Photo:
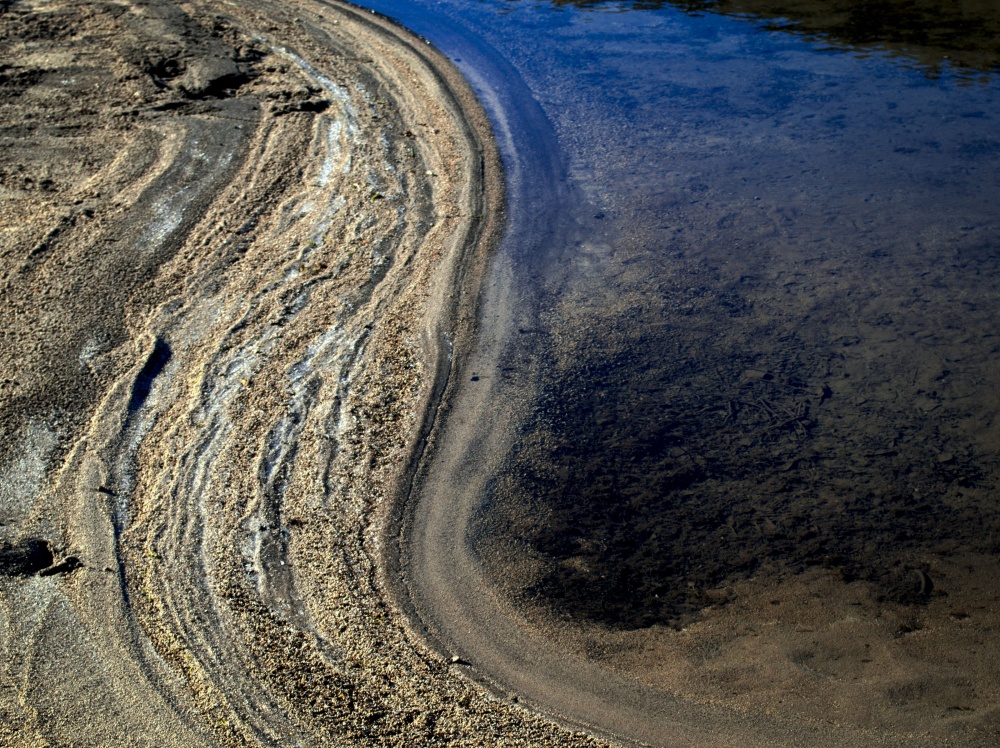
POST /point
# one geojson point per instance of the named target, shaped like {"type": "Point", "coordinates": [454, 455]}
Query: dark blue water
{"type": "Point", "coordinates": [755, 249]}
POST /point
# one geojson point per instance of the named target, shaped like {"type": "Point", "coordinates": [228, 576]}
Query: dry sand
{"type": "Point", "coordinates": [239, 243]}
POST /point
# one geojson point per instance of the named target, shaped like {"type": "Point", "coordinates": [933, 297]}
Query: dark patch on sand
{"type": "Point", "coordinates": [25, 557]}
{"type": "Point", "coordinates": [158, 358]}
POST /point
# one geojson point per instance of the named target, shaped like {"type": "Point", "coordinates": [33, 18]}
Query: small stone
{"type": "Point", "coordinates": [211, 77]}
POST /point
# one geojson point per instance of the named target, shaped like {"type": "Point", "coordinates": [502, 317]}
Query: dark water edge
{"type": "Point", "coordinates": [932, 34]}
{"type": "Point", "coordinates": [756, 330]}
{"type": "Point", "coordinates": [668, 459]}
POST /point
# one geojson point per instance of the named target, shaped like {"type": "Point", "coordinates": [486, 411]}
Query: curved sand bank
{"type": "Point", "coordinates": [793, 656]}
{"type": "Point", "coordinates": [242, 245]}
{"type": "Point", "coordinates": [239, 243]}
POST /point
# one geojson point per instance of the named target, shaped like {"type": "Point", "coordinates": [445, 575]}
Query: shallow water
{"type": "Point", "coordinates": [756, 317]}
{"type": "Point", "coordinates": [732, 425]}
{"type": "Point", "coordinates": [755, 262]}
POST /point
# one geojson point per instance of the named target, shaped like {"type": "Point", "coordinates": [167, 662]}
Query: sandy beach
{"type": "Point", "coordinates": [241, 244]}
{"type": "Point", "coordinates": [243, 254]}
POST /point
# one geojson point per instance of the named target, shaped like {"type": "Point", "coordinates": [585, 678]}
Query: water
{"type": "Point", "coordinates": [754, 249]}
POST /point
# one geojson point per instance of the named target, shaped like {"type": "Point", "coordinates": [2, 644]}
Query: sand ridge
{"type": "Point", "coordinates": [241, 244]}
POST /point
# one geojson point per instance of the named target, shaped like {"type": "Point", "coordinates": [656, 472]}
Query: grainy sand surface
{"type": "Point", "coordinates": [240, 243]}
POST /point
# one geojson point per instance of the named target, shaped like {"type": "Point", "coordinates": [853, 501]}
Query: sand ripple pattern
{"type": "Point", "coordinates": [312, 225]}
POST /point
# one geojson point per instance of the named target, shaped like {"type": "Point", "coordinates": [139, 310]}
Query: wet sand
{"type": "Point", "coordinates": [241, 245]}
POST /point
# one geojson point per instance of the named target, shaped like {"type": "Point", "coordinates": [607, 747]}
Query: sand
{"type": "Point", "coordinates": [240, 245]}
{"type": "Point", "coordinates": [243, 246]}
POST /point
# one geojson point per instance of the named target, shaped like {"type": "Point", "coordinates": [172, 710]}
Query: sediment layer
{"type": "Point", "coordinates": [241, 245]}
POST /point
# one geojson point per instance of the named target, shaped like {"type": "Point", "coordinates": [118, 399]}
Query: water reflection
{"type": "Point", "coordinates": [934, 34]}
{"type": "Point", "coordinates": [760, 369]}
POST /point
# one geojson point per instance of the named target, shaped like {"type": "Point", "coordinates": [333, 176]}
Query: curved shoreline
{"type": "Point", "coordinates": [212, 459]}
{"type": "Point", "coordinates": [244, 247]}
{"type": "Point", "coordinates": [522, 656]}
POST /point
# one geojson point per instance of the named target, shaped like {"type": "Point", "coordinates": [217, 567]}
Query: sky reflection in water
{"type": "Point", "coordinates": [762, 339]}
{"type": "Point", "coordinates": [930, 33]}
